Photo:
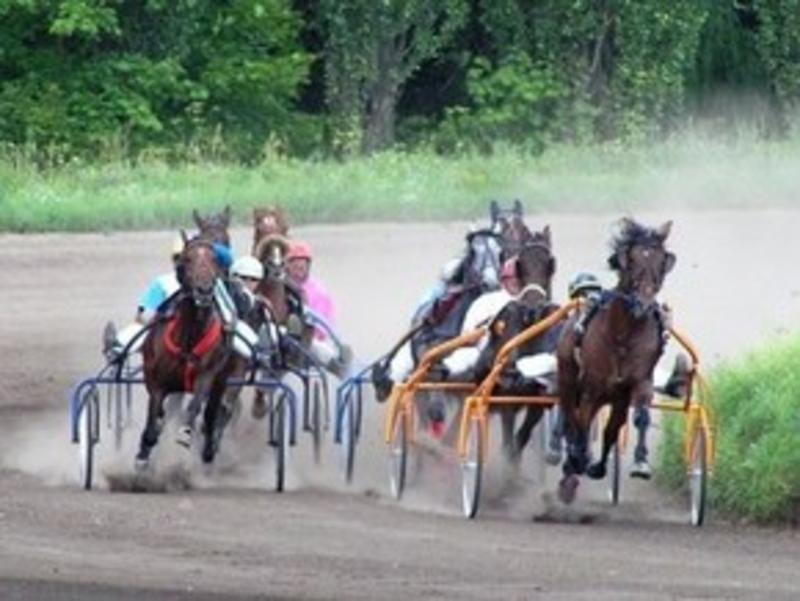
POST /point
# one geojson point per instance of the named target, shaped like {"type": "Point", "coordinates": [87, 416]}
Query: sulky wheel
{"type": "Point", "coordinates": [471, 470]}
{"type": "Point", "coordinates": [398, 455]}
{"type": "Point", "coordinates": [280, 417]}
{"type": "Point", "coordinates": [698, 478]}
{"type": "Point", "coordinates": [614, 475]}
{"type": "Point", "coordinates": [348, 439]}
{"type": "Point", "coordinates": [87, 435]}
{"type": "Point", "coordinates": [316, 420]}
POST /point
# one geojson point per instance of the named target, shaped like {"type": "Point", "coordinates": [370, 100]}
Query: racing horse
{"type": "Point", "coordinates": [188, 350]}
{"type": "Point", "coordinates": [535, 267]}
{"type": "Point", "coordinates": [279, 313]}
{"type": "Point", "coordinates": [214, 227]}
{"type": "Point", "coordinates": [610, 357]}
{"type": "Point", "coordinates": [268, 221]}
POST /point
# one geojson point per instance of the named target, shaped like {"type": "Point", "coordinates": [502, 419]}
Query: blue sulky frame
{"type": "Point", "coordinates": [119, 377]}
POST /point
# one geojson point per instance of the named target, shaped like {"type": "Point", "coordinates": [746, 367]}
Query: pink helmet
{"type": "Point", "coordinates": [299, 250]}
{"type": "Point", "coordinates": [509, 271]}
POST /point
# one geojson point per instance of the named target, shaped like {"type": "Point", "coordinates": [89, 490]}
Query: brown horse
{"type": "Point", "coordinates": [609, 358]}
{"type": "Point", "coordinates": [280, 303]}
{"type": "Point", "coordinates": [268, 221]}
{"type": "Point", "coordinates": [188, 350]}
{"type": "Point", "coordinates": [535, 266]}
{"type": "Point", "coordinates": [214, 227]}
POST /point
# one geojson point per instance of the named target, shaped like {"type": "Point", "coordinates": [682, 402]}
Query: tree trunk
{"type": "Point", "coordinates": [380, 119]}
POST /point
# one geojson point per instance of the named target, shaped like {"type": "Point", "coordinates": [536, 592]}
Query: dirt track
{"type": "Point", "coordinates": [736, 282]}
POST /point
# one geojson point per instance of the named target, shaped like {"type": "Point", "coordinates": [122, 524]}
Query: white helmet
{"type": "Point", "coordinates": [248, 267]}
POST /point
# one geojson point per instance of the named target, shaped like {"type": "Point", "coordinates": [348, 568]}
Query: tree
{"type": "Point", "coordinates": [372, 48]}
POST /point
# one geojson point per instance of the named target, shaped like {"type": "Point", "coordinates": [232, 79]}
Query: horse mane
{"type": "Point", "coordinates": [630, 234]}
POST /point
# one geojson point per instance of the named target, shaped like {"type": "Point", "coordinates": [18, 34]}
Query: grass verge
{"type": "Point", "coordinates": [686, 171]}
{"type": "Point", "coordinates": [756, 403]}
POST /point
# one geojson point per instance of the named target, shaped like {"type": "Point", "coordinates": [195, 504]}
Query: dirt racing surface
{"type": "Point", "coordinates": [226, 535]}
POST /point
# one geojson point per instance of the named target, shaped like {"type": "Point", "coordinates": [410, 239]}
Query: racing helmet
{"type": "Point", "coordinates": [299, 250]}
{"type": "Point", "coordinates": [248, 267]}
{"type": "Point", "coordinates": [583, 283]}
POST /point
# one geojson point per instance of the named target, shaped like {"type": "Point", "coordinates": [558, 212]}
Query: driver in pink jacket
{"type": "Point", "coordinates": [335, 355]}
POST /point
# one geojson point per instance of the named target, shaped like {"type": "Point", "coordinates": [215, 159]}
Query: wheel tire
{"type": "Point", "coordinates": [698, 479]}
{"type": "Point", "coordinates": [471, 471]}
{"type": "Point", "coordinates": [615, 476]}
{"type": "Point", "coordinates": [398, 457]}
{"type": "Point", "coordinates": [119, 419]}
{"type": "Point", "coordinates": [348, 440]}
{"type": "Point", "coordinates": [87, 420]}
{"type": "Point", "coordinates": [280, 425]}
{"type": "Point", "coordinates": [316, 422]}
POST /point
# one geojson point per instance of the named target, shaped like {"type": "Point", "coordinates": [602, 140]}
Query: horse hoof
{"type": "Point", "coordinates": [553, 457]}
{"type": "Point", "coordinates": [208, 454]}
{"type": "Point", "coordinates": [141, 464]}
{"type": "Point", "coordinates": [184, 437]}
{"type": "Point", "coordinates": [596, 471]}
{"type": "Point", "coordinates": [567, 489]}
{"type": "Point", "coordinates": [641, 469]}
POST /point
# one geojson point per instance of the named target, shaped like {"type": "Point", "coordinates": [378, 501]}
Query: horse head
{"type": "Point", "coordinates": [214, 227]}
{"type": "Point", "coordinates": [483, 261]}
{"type": "Point", "coordinates": [269, 221]}
{"type": "Point", "coordinates": [271, 250]}
{"type": "Point", "coordinates": [198, 270]}
{"type": "Point", "coordinates": [641, 260]}
{"type": "Point", "coordinates": [535, 263]}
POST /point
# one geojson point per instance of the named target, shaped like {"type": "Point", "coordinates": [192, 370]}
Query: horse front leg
{"type": "Point", "coordinates": [508, 417]}
{"type": "Point", "coordinates": [152, 428]}
{"type": "Point", "coordinates": [215, 417]}
{"type": "Point", "coordinates": [619, 413]}
{"type": "Point", "coordinates": [523, 436]}
{"type": "Point", "coordinates": [641, 421]}
{"type": "Point", "coordinates": [201, 393]}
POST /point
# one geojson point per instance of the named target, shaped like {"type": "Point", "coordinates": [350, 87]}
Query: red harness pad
{"type": "Point", "coordinates": [205, 345]}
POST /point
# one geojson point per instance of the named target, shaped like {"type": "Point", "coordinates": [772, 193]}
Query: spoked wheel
{"type": "Point", "coordinates": [398, 456]}
{"type": "Point", "coordinates": [279, 423]}
{"type": "Point", "coordinates": [471, 470]}
{"type": "Point", "coordinates": [698, 478]}
{"type": "Point", "coordinates": [87, 429]}
{"type": "Point", "coordinates": [316, 420]}
{"type": "Point", "coordinates": [614, 477]}
{"type": "Point", "coordinates": [348, 439]}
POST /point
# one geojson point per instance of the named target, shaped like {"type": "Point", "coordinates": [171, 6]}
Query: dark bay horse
{"type": "Point", "coordinates": [215, 226]}
{"type": "Point", "coordinates": [187, 350]}
{"type": "Point", "coordinates": [535, 267]}
{"type": "Point", "coordinates": [611, 357]}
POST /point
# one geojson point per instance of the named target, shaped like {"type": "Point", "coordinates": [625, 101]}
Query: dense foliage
{"type": "Point", "coordinates": [241, 80]}
{"type": "Point", "coordinates": [756, 406]}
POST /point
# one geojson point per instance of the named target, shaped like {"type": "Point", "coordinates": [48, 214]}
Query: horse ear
{"type": "Point", "coordinates": [547, 235]}
{"type": "Point", "coordinates": [664, 230]}
{"type": "Point", "coordinates": [518, 207]}
{"type": "Point", "coordinates": [257, 215]}
{"type": "Point", "coordinates": [184, 237]}
{"type": "Point", "coordinates": [494, 211]}
{"type": "Point", "coordinates": [669, 262]}
{"type": "Point", "coordinates": [197, 219]}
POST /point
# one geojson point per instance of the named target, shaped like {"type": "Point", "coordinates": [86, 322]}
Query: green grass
{"type": "Point", "coordinates": [756, 401]}
{"type": "Point", "coordinates": [685, 171]}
